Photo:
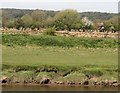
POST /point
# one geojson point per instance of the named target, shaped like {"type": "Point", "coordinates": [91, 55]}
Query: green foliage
{"type": "Point", "coordinates": [114, 21]}
{"type": "Point", "coordinates": [49, 31]}
{"type": "Point", "coordinates": [27, 21]}
{"type": "Point", "coordinates": [93, 72]}
{"type": "Point", "coordinates": [63, 20]}
{"type": "Point", "coordinates": [67, 19]}
{"type": "Point", "coordinates": [75, 76]}
{"type": "Point", "coordinates": [107, 25]}
{"type": "Point", "coordinates": [10, 24]}
{"type": "Point", "coordinates": [98, 15]}
{"type": "Point", "coordinates": [76, 64]}
{"type": "Point", "coordinates": [77, 26]}
{"type": "Point", "coordinates": [39, 18]}
{"type": "Point", "coordinates": [18, 23]}
{"type": "Point", "coordinates": [49, 22]}
{"type": "Point", "coordinates": [20, 40]}
{"type": "Point", "coordinates": [46, 40]}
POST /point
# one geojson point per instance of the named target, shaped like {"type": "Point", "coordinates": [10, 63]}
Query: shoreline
{"type": "Point", "coordinates": [59, 85]}
{"type": "Point", "coordinates": [47, 82]}
{"type": "Point", "coordinates": [52, 87]}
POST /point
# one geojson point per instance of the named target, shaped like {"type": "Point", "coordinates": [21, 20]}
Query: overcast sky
{"type": "Point", "coordinates": [80, 5]}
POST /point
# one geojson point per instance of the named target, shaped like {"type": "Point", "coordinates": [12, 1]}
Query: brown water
{"type": "Point", "coordinates": [55, 88]}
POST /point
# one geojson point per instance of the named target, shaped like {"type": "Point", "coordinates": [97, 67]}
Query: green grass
{"type": "Point", "coordinates": [56, 56]}
{"type": "Point", "coordinates": [100, 63]}
{"type": "Point", "coordinates": [24, 54]}
{"type": "Point", "coordinates": [61, 41]}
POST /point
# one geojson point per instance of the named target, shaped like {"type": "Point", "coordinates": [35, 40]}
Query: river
{"type": "Point", "coordinates": [55, 88]}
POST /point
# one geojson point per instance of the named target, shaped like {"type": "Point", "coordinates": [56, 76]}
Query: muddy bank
{"type": "Point", "coordinates": [47, 81]}
{"type": "Point", "coordinates": [51, 76]}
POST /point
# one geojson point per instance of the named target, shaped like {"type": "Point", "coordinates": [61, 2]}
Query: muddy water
{"type": "Point", "coordinates": [55, 88]}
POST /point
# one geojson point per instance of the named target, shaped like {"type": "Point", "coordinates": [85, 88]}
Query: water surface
{"type": "Point", "coordinates": [55, 88]}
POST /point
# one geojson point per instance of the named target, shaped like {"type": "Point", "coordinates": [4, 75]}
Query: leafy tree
{"type": "Point", "coordinates": [115, 21]}
{"type": "Point", "coordinates": [39, 18]}
{"type": "Point", "coordinates": [66, 19]}
{"type": "Point", "coordinates": [27, 20]}
{"type": "Point", "coordinates": [107, 25]}
{"type": "Point", "coordinates": [10, 24]}
{"type": "Point", "coordinates": [49, 22]}
{"type": "Point", "coordinates": [18, 23]}
{"type": "Point", "coordinates": [87, 24]}
{"type": "Point", "coordinates": [77, 26]}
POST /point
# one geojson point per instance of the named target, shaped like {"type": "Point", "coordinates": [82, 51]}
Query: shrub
{"type": "Point", "coordinates": [61, 41]}
{"type": "Point", "coordinates": [50, 31]}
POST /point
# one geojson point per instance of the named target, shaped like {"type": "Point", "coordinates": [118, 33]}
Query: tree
{"type": "Point", "coordinates": [107, 25]}
{"type": "Point", "coordinates": [10, 24]}
{"type": "Point", "coordinates": [27, 21]}
{"type": "Point", "coordinates": [88, 24]}
{"type": "Point", "coordinates": [116, 21]}
{"type": "Point", "coordinates": [18, 23]}
{"type": "Point", "coordinates": [66, 19]}
{"type": "Point", "coordinates": [49, 22]}
{"type": "Point", "coordinates": [39, 18]}
{"type": "Point", "coordinates": [77, 26]}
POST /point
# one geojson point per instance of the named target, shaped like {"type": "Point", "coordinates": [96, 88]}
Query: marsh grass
{"type": "Point", "coordinates": [60, 41]}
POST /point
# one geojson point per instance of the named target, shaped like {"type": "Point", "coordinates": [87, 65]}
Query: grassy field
{"type": "Point", "coordinates": [38, 50]}
{"type": "Point", "coordinates": [35, 56]}
{"type": "Point", "coordinates": [24, 56]}
{"type": "Point", "coordinates": [76, 62]}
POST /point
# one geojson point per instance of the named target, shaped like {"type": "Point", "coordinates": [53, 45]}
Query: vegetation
{"type": "Point", "coordinates": [61, 20]}
{"type": "Point", "coordinates": [60, 58]}
{"type": "Point", "coordinates": [61, 41]}
{"type": "Point", "coordinates": [49, 31]}
{"type": "Point", "coordinates": [59, 64]}
{"type": "Point", "coordinates": [56, 56]}
{"type": "Point", "coordinates": [67, 19]}
{"type": "Point", "coordinates": [98, 15]}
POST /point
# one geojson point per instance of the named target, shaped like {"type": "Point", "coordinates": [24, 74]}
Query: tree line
{"type": "Point", "coordinates": [62, 20]}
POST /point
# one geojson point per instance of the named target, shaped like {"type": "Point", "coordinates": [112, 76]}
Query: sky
{"type": "Point", "coordinates": [110, 6]}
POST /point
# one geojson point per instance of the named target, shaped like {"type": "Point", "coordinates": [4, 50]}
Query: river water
{"type": "Point", "coordinates": [55, 88]}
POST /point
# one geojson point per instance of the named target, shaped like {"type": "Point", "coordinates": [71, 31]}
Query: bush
{"type": "Point", "coordinates": [61, 41]}
{"type": "Point", "coordinates": [50, 31]}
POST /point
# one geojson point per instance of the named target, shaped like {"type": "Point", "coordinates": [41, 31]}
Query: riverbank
{"type": "Point", "coordinates": [58, 60]}
{"type": "Point", "coordinates": [6, 81]}
{"type": "Point", "coordinates": [59, 66]}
